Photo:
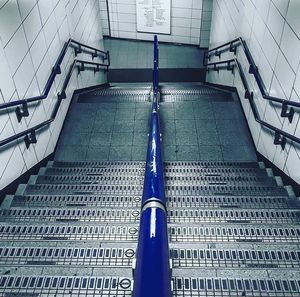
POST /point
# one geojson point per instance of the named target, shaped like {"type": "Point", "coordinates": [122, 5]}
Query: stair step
{"type": "Point", "coordinates": [245, 233]}
{"type": "Point", "coordinates": [189, 90]}
{"type": "Point", "coordinates": [25, 286]}
{"type": "Point", "coordinates": [69, 215]}
{"type": "Point", "coordinates": [237, 216]}
{"type": "Point", "coordinates": [79, 179]}
{"type": "Point", "coordinates": [276, 257]}
{"type": "Point", "coordinates": [33, 286]}
{"type": "Point", "coordinates": [177, 164]}
{"type": "Point", "coordinates": [223, 202]}
{"type": "Point", "coordinates": [98, 164]}
{"type": "Point", "coordinates": [210, 164]}
{"type": "Point", "coordinates": [114, 171]}
{"type": "Point", "coordinates": [136, 190]}
{"type": "Point", "coordinates": [76, 201]}
{"type": "Point", "coordinates": [43, 231]}
{"type": "Point", "coordinates": [236, 258]}
{"type": "Point", "coordinates": [240, 285]}
{"type": "Point", "coordinates": [231, 202]}
{"type": "Point", "coordinates": [70, 255]}
{"type": "Point", "coordinates": [168, 170]}
{"type": "Point", "coordinates": [138, 180]}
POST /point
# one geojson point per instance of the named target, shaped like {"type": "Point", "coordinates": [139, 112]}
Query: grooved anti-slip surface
{"type": "Point", "coordinates": [73, 229]}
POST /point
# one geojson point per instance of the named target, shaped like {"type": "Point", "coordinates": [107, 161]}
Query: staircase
{"type": "Point", "coordinates": [72, 230]}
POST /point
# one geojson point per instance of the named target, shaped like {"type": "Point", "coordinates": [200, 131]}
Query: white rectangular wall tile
{"type": "Point", "coordinates": [7, 86]}
{"type": "Point", "coordinates": [10, 20]}
{"type": "Point", "coordinates": [32, 25]}
{"type": "Point", "coordinates": [24, 76]}
{"type": "Point", "coordinates": [16, 50]}
{"type": "Point", "coordinates": [45, 9]}
{"type": "Point", "coordinates": [275, 23]}
{"type": "Point", "coordinates": [290, 46]}
{"type": "Point", "coordinates": [292, 16]}
{"type": "Point", "coordinates": [271, 29]}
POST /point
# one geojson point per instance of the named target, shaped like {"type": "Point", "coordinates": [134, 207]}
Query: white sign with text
{"type": "Point", "coordinates": [153, 16]}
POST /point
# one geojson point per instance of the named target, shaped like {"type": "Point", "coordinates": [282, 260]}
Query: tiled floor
{"type": "Point", "coordinates": [105, 131]}
{"type": "Point", "coordinates": [203, 130]}
{"type": "Point", "coordinates": [192, 130]}
{"type": "Point", "coordinates": [139, 54]}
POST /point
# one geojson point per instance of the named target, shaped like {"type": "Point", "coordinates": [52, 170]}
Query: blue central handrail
{"type": "Point", "coordinates": [152, 274]}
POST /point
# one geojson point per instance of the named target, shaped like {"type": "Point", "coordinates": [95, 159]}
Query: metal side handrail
{"type": "Point", "coordinates": [30, 134]}
{"type": "Point", "coordinates": [56, 70]}
{"type": "Point", "coordinates": [253, 69]}
{"type": "Point", "coordinates": [280, 135]}
{"type": "Point", "coordinates": [152, 275]}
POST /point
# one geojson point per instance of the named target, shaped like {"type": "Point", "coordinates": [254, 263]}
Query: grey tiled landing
{"type": "Point", "coordinates": [106, 131]}
{"type": "Point", "coordinates": [191, 130]}
{"type": "Point", "coordinates": [206, 131]}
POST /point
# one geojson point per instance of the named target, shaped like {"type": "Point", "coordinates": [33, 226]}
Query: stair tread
{"type": "Point", "coordinates": [138, 180]}
{"type": "Point", "coordinates": [136, 190]}
{"type": "Point", "coordinates": [221, 202]}
{"type": "Point", "coordinates": [236, 283]}
{"type": "Point", "coordinates": [240, 216]}
{"type": "Point", "coordinates": [141, 164]}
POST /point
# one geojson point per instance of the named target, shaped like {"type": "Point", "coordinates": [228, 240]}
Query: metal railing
{"type": "Point", "coordinates": [30, 134]}
{"type": "Point", "coordinates": [253, 69]}
{"type": "Point", "coordinates": [280, 135]}
{"type": "Point", "coordinates": [152, 274]}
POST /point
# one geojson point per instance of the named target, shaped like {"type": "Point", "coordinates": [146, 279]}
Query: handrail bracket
{"type": "Point", "coordinates": [22, 111]}
{"type": "Point", "coordinates": [280, 140]}
{"type": "Point", "coordinates": [285, 113]}
{"type": "Point", "coordinates": [62, 95]}
{"type": "Point", "coordinates": [80, 67]}
{"type": "Point", "coordinates": [233, 48]}
{"type": "Point", "coordinates": [30, 139]}
{"type": "Point", "coordinates": [77, 50]}
{"type": "Point", "coordinates": [253, 69]}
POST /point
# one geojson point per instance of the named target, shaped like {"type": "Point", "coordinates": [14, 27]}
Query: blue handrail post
{"type": "Point", "coordinates": [155, 65]}
{"type": "Point", "coordinates": [152, 274]}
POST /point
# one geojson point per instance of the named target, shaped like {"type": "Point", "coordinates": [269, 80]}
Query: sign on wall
{"type": "Point", "coordinates": [153, 16]}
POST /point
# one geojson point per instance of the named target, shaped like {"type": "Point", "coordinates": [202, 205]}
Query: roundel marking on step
{"type": "Point", "coordinates": [137, 199]}
{"type": "Point", "coordinates": [132, 230]}
{"type": "Point", "coordinates": [129, 253]}
{"type": "Point", "coordinates": [125, 283]}
{"type": "Point", "coordinates": [135, 213]}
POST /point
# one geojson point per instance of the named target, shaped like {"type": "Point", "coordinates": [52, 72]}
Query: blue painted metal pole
{"type": "Point", "coordinates": [152, 275]}
{"type": "Point", "coordinates": [155, 65]}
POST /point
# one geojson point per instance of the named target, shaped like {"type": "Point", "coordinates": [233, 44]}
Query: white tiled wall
{"type": "Point", "coordinates": [186, 21]}
{"type": "Point", "coordinates": [271, 29]}
{"type": "Point", "coordinates": [32, 34]}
